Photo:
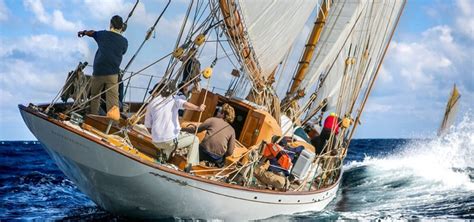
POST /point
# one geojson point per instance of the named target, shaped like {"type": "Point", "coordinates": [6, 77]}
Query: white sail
{"type": "Point", "coordinates": [353, 28]}
{"type": "Point", "coordinates": [272, 27]}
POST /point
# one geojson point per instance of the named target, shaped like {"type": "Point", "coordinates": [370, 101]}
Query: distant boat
{"type": "Point", "coordinates": [451, 110]}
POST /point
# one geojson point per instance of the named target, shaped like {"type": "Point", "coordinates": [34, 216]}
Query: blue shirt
{"type": "Point", "coordinates": [109, 55]}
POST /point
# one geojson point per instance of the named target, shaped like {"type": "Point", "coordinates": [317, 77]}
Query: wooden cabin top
{"type": "Point", "coordinates": [251, 125]}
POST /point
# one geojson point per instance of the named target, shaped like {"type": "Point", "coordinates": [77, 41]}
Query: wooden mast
{"type": "Point", "coordinates": [303, 64]}
{"type": "Point", "coordinates": [236, 32]}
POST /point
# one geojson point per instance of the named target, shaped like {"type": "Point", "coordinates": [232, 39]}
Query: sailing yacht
{"type": "Point", "coordinates": [450, 112]}
{"type": "Point", "coordinates": [115, 163]}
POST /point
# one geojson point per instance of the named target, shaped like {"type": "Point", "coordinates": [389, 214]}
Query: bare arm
{"type": "Point", "coordinates": [190, 106]}
{"type": "Point", "coordinates": [203, 126]}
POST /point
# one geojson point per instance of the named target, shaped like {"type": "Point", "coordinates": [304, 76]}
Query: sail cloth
{"type": "Point", "coordinates": [272, 27]}
{"type": "Point", "coordinates": [358, 30]}
{"type": "Point", "coordinates": [451, 110]}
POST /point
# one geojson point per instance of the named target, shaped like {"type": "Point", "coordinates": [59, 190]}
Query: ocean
{"type": "Point", "coordinates": [388, 179]}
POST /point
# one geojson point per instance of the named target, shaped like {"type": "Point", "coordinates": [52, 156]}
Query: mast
{"type": "Point", "coordinates": [303, 64]}
{"type": "Point", "coordinates": [236, 32]}
{"type": "Point", "coordinates": [261, 33]}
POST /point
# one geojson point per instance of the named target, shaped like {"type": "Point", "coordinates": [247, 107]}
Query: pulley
{"type": "Point", "coordinates": [200, 39]}
{"type": "Point", "coordinates": [178, 52]}
{"type": "Point", "coordinates": [346, 122]}
{"type": "Point", "coordinates": [207, 72]}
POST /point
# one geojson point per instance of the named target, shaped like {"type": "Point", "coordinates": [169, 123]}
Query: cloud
{"type": "Point", "coordinates": [377, 108]}
{"type": "Point", "coordinates": [60, 23]}
{"type": "Point", "coordinates": [36, 6]}
{"type": "Point", "coordinates": [4, 12]}
{"type": "Point", "coordinates": [44, 46]}
{"type": "Point", "coordinates": [433, 57]}
{"type": "Point", "coordinates": [419, 71]}
{"type": "Point", "coordinates": [465, 18]}
{"type": "Point", "coordinates": [33, 79]}
{"type": "Point", "coordinates": [141, 16]}
{"type": "Point", "coordinates": [106, 8]}
{"type": "Point", "coordinates": [56, 20]}
{"type": "Point", "coordinates": [385, 76]}
{"type": "Point", "coordinates": [37, 65]}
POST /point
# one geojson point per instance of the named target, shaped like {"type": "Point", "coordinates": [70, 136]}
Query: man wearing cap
{"type": "Point", "coordinates": [111, 48]}
{"type": "Point", "coordinates": [330, 126]}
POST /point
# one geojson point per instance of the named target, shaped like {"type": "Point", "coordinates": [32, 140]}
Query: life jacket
{"type": "Point", "coordinates": [275, 152]}
{"type": "Point", "coordinates": [331, 123]}
{"type": "Point", "coordinates": [281, 156]}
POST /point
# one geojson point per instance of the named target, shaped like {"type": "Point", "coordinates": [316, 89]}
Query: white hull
{"type": "Point", "coordinates": [121, 184]}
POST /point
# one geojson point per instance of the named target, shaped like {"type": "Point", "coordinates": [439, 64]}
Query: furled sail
{"type": "Point", "coordinates": [451, 110]}
{"type": "Point", "coordinates": [268, 28]}
{"type": "Point", "coordinates": [352, 45]}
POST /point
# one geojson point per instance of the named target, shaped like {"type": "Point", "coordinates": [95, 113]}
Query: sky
{"type": "Point", "coordinates": [431, 50]}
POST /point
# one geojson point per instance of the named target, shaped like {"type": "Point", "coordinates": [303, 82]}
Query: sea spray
{"type": "Point", "coordinates": [420, 179]}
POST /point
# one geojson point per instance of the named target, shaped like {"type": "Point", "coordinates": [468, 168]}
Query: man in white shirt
{"type": "Point", "coordinates": [161, 119]}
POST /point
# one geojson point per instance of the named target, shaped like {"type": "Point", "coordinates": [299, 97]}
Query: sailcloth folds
{"type": "Point", "coordinates": [271, 28]}
{"type": "Point", "coordinates": [352, 44]}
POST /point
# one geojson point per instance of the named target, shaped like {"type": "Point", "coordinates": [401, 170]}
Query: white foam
{"type": "Point", "coordinates": [439, 160]}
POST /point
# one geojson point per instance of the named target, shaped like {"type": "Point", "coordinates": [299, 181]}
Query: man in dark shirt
{"type": "Point", "coordinates": [191, 69]}
{"type": "Point", "coordinates": [111, 48]}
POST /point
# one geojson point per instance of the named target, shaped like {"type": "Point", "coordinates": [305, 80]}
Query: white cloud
{"type": "Point", "coordinates": [465, 18]}
{"type": "Point", "coordinates": [33, 79]}
{"type": "Point", "coordinates": [385, 76]}
{"type": "Point", "coordinates": [377, 108]}
{"type": "Point", "coordinates": [45, 46]}
{"type": "Point", "coordinates": [57, 19]}
{"type": "Point", "coordinates": [6, 96]}
{"type": "Point", "coordinates": [60, 23]}
{"type": "Point", "coordinates": [421, 62]}
{"type": "Point", "coordinates": [36, 6]}
{"type": "Point", "coordinates": [4, 12]}
{"type": "Point", "coordinates": [106, 8]}
{"type": "Point", "coordinates": [34, 67]}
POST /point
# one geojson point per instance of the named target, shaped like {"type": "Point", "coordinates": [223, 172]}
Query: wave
{"type": "Point", "coordinates": [423, 178]}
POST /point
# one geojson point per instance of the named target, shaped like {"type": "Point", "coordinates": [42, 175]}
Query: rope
{"type": "Point", "coordinates": [200, 113]}
{"type": "Point", "coordinates": [131, 12]}
{"type": "Point", "coordinates": [237, 160]}
{"type": "Point", "coordinates": [147, 36]}
{"type": "Point", "coordinates": [134, 74]}
{"type": "Point", "coordinates": [140, 113]}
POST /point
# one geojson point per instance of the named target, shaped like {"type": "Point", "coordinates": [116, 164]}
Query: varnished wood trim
{"type": "Point", "coordinates": [165, 169]}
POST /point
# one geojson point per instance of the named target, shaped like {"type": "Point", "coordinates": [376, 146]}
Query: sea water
{"type": "Point", "coordinates": [383, 179]}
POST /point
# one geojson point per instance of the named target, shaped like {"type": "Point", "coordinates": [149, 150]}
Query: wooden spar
{"type": "Point", "coordinates": [236, 31]}
{"type": "Point", "coordinates": [303, 64]}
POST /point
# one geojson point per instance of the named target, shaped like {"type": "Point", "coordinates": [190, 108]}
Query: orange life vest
{"type": "Point", "coordinates": [272, 150]}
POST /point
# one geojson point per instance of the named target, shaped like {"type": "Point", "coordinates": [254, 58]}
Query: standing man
{"type": "Point", "coordinates": [192, 68]}
{"type": "Point", "coordinates": [112, 46]}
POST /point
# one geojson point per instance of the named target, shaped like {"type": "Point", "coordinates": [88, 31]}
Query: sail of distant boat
{"type": "Point", "coordinates": [450, 112]}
